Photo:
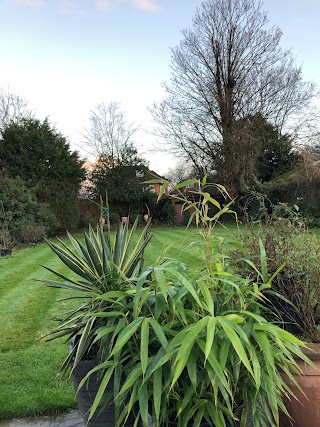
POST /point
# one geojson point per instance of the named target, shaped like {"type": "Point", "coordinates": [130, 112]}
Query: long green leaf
{"type": "Point", "coordinates": [143, 404]}
{"type": "Point", "coordinates": [235, 341]}
{"type": "Point", "coordinates": [211, 326]}
{"type": "Point", "coordinates": [144, 345]}
{"type": "Point", "coordinates": [126, 334]}
{"type": "Point", "coordinates": [100, 392]}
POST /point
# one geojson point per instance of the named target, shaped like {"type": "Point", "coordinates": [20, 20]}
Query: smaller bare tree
{"type": "Point", "coordinates": [12, 108]}
{"type": "Point", "coordinates": [180, 172]}
{"type": "Point", "coordinates": [109, 134]}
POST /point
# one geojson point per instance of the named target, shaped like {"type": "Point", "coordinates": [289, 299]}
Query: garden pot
{"type": "Point", "coordinates": [102, 221]}
{"type": "Point", "coordinates": [86, 395]}
{"type": "Point", "coordinates": [5, 251]}
{"type": "Point", "coordinates": [306, 411]}
{"type": "Point", "coordinates": [145, 217]}
{"type": "Point", "coordinates": [124, 219]}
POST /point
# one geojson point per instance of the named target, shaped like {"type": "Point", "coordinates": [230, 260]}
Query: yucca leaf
{"type": "Point", "coordinates": [73, 263]}
{"type": "Point", "coordinates": [127, 245]}
{"type": "Point", "coordinates": [55, 284]}
{"type": "Point", "coordinates": [84, 285]}
{"type": "Point", "coordinates": [94, 258]}
{"type": "Point", "coordinates": [84, 341]}
{"type": "Point", "coordinates": [134, 261]}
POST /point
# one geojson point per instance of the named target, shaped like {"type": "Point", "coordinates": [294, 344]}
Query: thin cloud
{"type": "Point", "coordinates": [71, 7]}
{"type": "Point", "coordinates": [104, 5]}
{"type": "Point", "coordinates": [146, 5]}
{"type": "Point", "coordinates": [30, 3]}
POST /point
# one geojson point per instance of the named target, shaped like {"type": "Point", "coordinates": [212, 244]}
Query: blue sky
{"type": "Point", "coordinates": [64, 56]}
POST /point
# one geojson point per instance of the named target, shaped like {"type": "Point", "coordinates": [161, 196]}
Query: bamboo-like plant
{"type": "Point", "coordinates": [99, 265]}
{"type": "Point", "coordinates": [193, 346]}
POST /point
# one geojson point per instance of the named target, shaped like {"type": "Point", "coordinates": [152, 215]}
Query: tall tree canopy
{"type": "Point", "coordinates": [38, 154]}
{"type": "Point", "coordinates": [227, 67]}
{"type": "Point", "coordinates": [122, 181]}
{"type": "Point", "coordinates": [118, 169]}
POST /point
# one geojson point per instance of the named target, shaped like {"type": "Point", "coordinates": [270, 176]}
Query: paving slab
{"type": "Point", "coordinates": [69, 419]}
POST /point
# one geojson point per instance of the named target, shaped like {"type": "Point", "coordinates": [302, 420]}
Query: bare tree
{"type": "Point", "coordinates": [180, 172]}
{"type": "Point", "coordinates": [110, 134]}
{"type": "Point", "coordinates": [227, 67]}
{"type": "Point", "coordinates": [12, 108]}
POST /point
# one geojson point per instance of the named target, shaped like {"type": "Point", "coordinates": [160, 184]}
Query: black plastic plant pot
{"type": "Point", "coordinates": [5, 251]}
{"type": "Point", "coordinates": [86, 395]}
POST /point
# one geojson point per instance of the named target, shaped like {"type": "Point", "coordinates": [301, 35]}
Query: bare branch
{"type": "Point", "coordinates": [12, 108]}
{"type": "Point", "coordinates": [109, 132]}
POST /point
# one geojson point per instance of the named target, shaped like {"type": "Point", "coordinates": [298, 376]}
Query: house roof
{"type": "Point", "coordinates": [155, 175]}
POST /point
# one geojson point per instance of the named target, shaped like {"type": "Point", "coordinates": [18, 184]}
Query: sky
{"type": "Point", "coordinates": [65, 56]}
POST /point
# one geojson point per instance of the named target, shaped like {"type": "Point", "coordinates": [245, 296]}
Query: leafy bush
{"type": "Point", "coordinates": [114, 218]}
{"type": "Point", "coordinates": [62, 198]}
{"type": "Point", "coordinates": [291, 247]}
{"type": "Point", "coordinates": [6, 240]}
{"type": "Point", "coordinates": [298, 187]}
{"type": "Point", "coordinates": [31, 233]}
{"type": "Point", "coordinates": [21, 207]}
{"type": "Point", "coordinates": [164, 212]}
{"type": "Point", "coordinates": [185, 218]}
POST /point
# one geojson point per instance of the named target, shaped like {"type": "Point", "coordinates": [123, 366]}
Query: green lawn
{"type": "Point", "coordinates": [27, 366]}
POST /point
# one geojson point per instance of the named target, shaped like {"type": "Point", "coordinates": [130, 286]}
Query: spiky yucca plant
{"type": "Point", "coordinates": [99, 265]}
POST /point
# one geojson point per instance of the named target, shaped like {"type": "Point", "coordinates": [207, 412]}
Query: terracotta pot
{"type": "Point", "coordinates": [145, 217]}
{"type": "Point", "coordinates": [124, 219]}
{"type": "Point", "coordinates": [305, 412]}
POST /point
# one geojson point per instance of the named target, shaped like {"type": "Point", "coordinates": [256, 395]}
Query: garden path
{"type": "Point", "coordinates": [70, 419]}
